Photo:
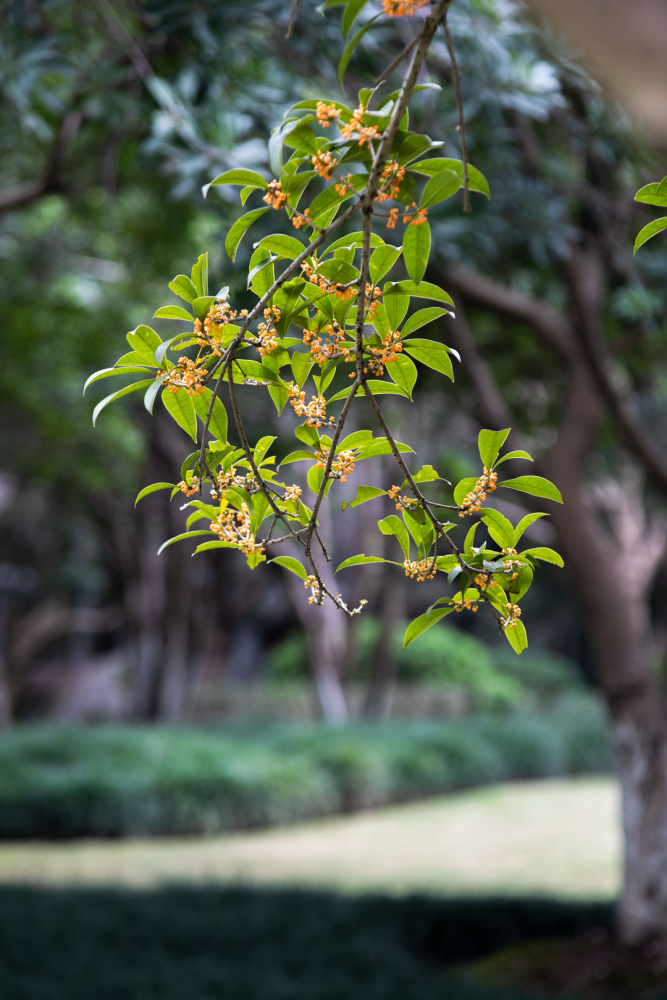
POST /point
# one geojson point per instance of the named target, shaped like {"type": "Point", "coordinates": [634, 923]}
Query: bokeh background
{"type": "Point", "coordinates": [170, 697]}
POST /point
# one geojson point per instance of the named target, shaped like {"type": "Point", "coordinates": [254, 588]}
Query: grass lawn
{"type": "Point", "coordinates": [559, 837]}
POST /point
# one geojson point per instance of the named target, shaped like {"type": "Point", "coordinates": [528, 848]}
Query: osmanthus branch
{"type": "Point", "coordinates": [366, 202]}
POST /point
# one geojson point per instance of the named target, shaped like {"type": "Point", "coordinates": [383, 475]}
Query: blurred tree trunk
{"type": "Point", "coordinates": [326, 632]}
{"type": "Point", "coordinates": [611, 562]}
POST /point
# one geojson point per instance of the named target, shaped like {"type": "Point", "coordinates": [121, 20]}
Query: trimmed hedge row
{"type": "Point", "coordinates": [58, 782]}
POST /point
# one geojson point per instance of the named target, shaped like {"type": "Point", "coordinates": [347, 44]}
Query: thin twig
{"type": "Point", "coordinates": [397, 61]}
{"type": "Point", "coordinates": [292, 18]}
{"type": "Point", "coordinates": [467, 207]}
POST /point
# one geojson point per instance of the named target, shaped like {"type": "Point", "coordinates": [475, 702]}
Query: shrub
{"type": "Point", "coordinates": [106, 781]}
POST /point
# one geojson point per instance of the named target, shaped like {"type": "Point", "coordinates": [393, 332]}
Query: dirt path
{"type": "Point", "coordinates": [559, 837]}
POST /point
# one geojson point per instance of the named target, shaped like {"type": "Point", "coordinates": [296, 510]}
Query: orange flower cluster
{"type": "Point", "coordinates": [342, 465]}
{"type": "Point", "coordinates": [459, 604]}
{"type": "Point", "coordinates": [485, 582]}
{"type": "Point", "coordinates": [275, 196]}
{"type": "Point", "coordinates": [402, 8]}
{"type": "Point", "coordinates": [512, 616]}
{"type": "Point", "coordinates": [309, 268]}
{"type": "Point", "coordinates": [374, 294]}
{"type": "Point", "coordinates": [321, 350]}
{"type": "Point", "coordinates": [355, 126]}
{"type": "Point", "coordinates": [403, 502]}
{"type": "Point", "coordinates": [422, 570]}
{"type": "Point", "coordinates": [233, 526]}
{"type": "Point", "coordinates": [189, 488]}
{"type": "Point", "coordinates": [325, 164]}
{"type": "Point", "coordinates": [418, 217]}
{"type": "Point", "coordinates": [326, 114]}
{"type": "Point", "coordinates": [292, 494]}
{"type": "Point", "coordinates": [230, 478]}
{"type": "Point", "coordinates": [472, 502]}
{"type": "Point", "coordinates": [186, 375]}
{"type": "Point", "coordinates": [266, 332]}
{"type": "Point", "coordinates": [209, 332]}
{"type": "Point", "coordinates": [315, 412]}
{"type": "Point", "coordinates": [392, 218]}
{"type": "Point", "coordinates": [345, 185]}
{"type": "Point", "coordinates": [300, 219]}
{"type": "Point", "coordinates": [392, 175]}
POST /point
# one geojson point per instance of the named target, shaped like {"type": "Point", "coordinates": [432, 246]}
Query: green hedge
{"type": "Point", "coordinates": [111, 781]}
{"type": "Point", "coordinates": [254, 944]}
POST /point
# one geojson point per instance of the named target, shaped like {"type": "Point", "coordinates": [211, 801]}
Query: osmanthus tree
{"type": "Point", "coordinates": [332, 298]}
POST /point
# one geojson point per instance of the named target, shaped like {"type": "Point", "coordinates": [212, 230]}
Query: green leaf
{"type": "Point", "coordinates": [353, 240]}
{"type": "Point", "coordinates": [422, 317]}
{"type": "Point", "coordinates": [201, 306]}
{"type": "Point", "coordinates": [183, 287]}
{"type": "Point", "coordinates": [476, 180]}
{"type": "Point", "coordinates": [292, 564]}
{"type": "Point", "coordinates": [500, 529]}
{"type": "Point", "coordinates": [301, 367]}
{"type": "Point", "coordinates": [423, 290]}
{"type": "Point", "coordinates": [430, 353]}
{"type": "Point", "coordinates": [351, 46]}
{"type": "Point", "coordinates": [308, 435]}
{"type": "Point", "coordinates": [424, 622]}
{"type": "Point", "coordinates": [240, 176]}
{"type": "Point", "coordinates": [180, 407]}
{"type": "Point", "coordinates": [279, 395]}
{"type": "Point", "coordinates": [365, 493]}
{"type": "Point", "coordinates": [151, 489]}
{"type": "Point", "coordinates": [393, 525]}
{"type": "Point", "coordinates": [199, 274]}
{"type": "Point", "coordinates": [648, 231]}
{"type": "Point", "coordinates": [252, 369]}
{"type": "Point", "coordinates": [284, 246]}
{"type": "Point", "coordinates": [219, 421]}
{"type": "Point", "coordinates": [179, 538]}
{"type": "Point", "coordinates": [465, 486]}
{"type": "Point", "coordinates": [207, 546]}
{"type": "Point", "coordinates": [117, 395]}
{"type": "Point", "coordinates": [546, 555]}
{"type": "Point", "coordinates": [239, 229]}
{"type": "Point", "coordinates": [145, 342]}
{"type": "Point", "coordinates": [524, 523]}
{"type": "Point", "coordinates": [396, 305]}
{"type": "Point", "coordinates": [260, 508]}
{"type": "Point", "coordinates": [108, 372]}
{"type": "Point", "coordinates": [303, 139]}
{"type": "Point", "coordinates": [383, 259]}
{"type": "Point", "coordinates": [380, 446]}
{"type": "Point", "coordinates": [513, 454]}
{"type": "Point", "coordinates": [173, 312]}
{"type": "Point", "coordinates": [517, 637]}
{"type": "Point", "coordinates": [356, 439]}
{"type": "Point", "coordinates": [350, 15]}
{"type": "Point", "coordinates": [536, 486]}
{"type": "Point", "coordinates": [298, 456]}
{"type": "Point", "coordinates": [314, 478]}
{"type": "Point", "coordinates": [440, 187]}
{"type": "Point", "coordinates": [403, 372]}
{"type": "Point", "coordinates": [362, 560]}
{"type": "Point", "coordinates": [152, 391]}
{"type": "Point", "coordinates": [338, 270]}
{"type": "Point", "coordinates": [489, 444]}
{"type": "Point", "coordinates": [377, 387]}
{"type": "Point", "coordinates": [416, 250]}
{"type": "Point", "coordinates": [650, 195]}
{"type": "Point", "coordinates": [180, 340]}
{"type": "Point", "coordinates": [323, 208]}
